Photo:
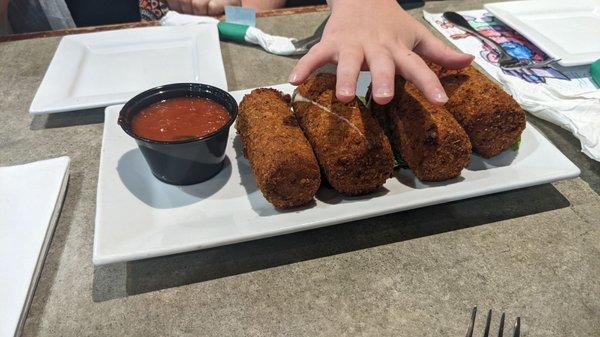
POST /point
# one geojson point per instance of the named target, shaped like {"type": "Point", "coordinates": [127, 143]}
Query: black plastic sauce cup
{"type": "Point", "coordinates": [182, 162]}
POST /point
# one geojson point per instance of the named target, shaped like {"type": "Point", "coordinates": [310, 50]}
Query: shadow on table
{"type": "Point", "coordinates": [55, 253]}
{"type": "Point", "coordinates": [124, 279]}
{"type": "Point", "coordinates": [66, 119]}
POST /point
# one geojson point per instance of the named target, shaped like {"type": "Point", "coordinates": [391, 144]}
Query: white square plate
{"type": "Point", "coordinates": [30, 201]}
{"type": "Point", "coordinates": [565, 30]}
{"type": "Point", "coordinates": [99, 69]}
{"type": "Point", "coordinates": [138, 216]}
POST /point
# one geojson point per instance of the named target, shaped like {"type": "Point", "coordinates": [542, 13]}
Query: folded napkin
{"type": "Point", "coordinates": [278, 45]}
{"type": "Point", "coordinates": [578, 112]}
{"type": "Point", "coordinates": [30, 200]}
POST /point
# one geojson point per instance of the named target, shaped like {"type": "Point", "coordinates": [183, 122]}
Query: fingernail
{"type": "Point", "coordinates": [439, 95]}
{"type": "Point", "coordinates": [345, 91]}
{"type": "Point", "coordinates": [293, 78]}
{"type": "Point", "coordinates": [383, 91]}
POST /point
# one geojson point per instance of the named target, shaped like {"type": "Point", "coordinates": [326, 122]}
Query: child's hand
{"type": "Point", "coordinates": [380, 36]}
{"type": "Point", "coordinates": [201, 7]}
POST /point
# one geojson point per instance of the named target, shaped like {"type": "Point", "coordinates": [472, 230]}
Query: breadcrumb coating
{"type": "Point", "coordinates": [491, 117]}
{"type": "Point", "coordinates": [280, 156]}
{"type": "Point", "coordinates": [351, 148]}
{"type": "Point", "coordinates": [427, 136]}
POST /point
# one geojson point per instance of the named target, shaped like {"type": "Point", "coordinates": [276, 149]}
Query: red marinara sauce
{"type": "Point", "coordinates": [179, 118]}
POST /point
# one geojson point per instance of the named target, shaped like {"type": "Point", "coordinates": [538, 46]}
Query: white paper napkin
{"type": "Point", "coordinates": [574, 111]}
{"type": "Point", "coordinates": [173, 18]}
{"type": "Point", "coordinates": [278, 45]}
{"type": "Point", "coordinates": [30, 199]}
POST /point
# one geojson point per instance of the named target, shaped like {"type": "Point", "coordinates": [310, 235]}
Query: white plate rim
{"type": "Point", "coordinates": [100, 258]}
{"type": "Point", "coordinates": [42, 105]}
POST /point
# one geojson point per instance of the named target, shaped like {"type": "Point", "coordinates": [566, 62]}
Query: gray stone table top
{"type": "Point", "coordinates": [533, 252]}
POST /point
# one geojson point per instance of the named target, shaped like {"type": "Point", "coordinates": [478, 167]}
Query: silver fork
{"type": "Point", "coordinates": [302, 46]}
{"type": "Point", "coordinates": [488, 320]}
{"type": "Point", "coordinates": [506, 61]}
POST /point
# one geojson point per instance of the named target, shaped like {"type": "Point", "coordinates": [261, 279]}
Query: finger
{"type": "Point", "coordinates": [383, 70]}
{"type": "Point", "coordinates": [349, 63]}
{"type": "Point", "coordinates": [438, 52]}
{"type": "Point", "coordinates": [414, 70]}
{"type": "Point", "coordinates": [174, 5]}
{"type": "Point", "coordinates": [319, 55]}
{"type": "Point", "coordinates": [200, 7]}
{"type": "Point", "coordinates": [215, 8]}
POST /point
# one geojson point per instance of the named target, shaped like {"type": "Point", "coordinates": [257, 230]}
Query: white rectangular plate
{"type": "Point", "coordinates": [30, 200]}
{"type": "Point", "coordinates": [566, 30]}
{"type": "Point", "coordinates": [138, 216]}
{"type": "Point", "coordinates": [99, 69]}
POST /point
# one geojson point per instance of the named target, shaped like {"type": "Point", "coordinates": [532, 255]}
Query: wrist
{"type": "Point", "coordinates": [362, 3]}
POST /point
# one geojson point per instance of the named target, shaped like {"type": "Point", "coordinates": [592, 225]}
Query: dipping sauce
{"type": "Point", "coordinates": [179, 118]}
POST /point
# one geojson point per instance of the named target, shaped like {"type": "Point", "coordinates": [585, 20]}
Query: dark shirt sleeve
{"type": "Point", "coordinates": [103, 12]}
{"type": "Point", "coordinates": [27, 16]}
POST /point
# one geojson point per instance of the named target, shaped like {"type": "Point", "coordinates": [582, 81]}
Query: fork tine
{"type": "Point", "coordinates": [488, 320]}
{"type": "Point", "coordinates": [542, 64]}
{"type": "Point", "coordinates": [517, 332]}
{"type": "Point", "coordinates": [472, 323]}
{"type": "Point", "coordinates": [551, 61]}
{"type": "Point", "coordinates": [501, 327]}
{"type": "Point", "coordinates": [527, 64]}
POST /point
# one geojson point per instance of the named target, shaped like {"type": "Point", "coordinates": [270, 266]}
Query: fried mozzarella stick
{"type": "Point", "coordinates": [281, 158]}
{"type": "Point", "coordinates": [490, 116]}
{"type": "Point", "coordinates": [352, 150]}
{"type": "Point", "coordinates": [428, 138]}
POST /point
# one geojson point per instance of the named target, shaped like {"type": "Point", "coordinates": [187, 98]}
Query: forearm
{"type": "Point", "coordinates": [263, 4]}
{"type": "Point", "coordinates": [336, 3]}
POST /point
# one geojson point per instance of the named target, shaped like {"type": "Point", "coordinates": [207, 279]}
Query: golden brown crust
{"type": "Point", "coordinates": [281, 158]}
{"type": "Point", "coordinates": [351, 148]}
{"type": "Point", "coordinates": [437, 69]}
{"type": "Point", "coordinates": [491, 117]}
{"type": "Point", "coordinates": [429, 139]}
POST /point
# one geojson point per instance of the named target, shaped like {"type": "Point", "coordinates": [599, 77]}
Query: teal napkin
{"type": "Point", "coordinates": [595, 72]}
